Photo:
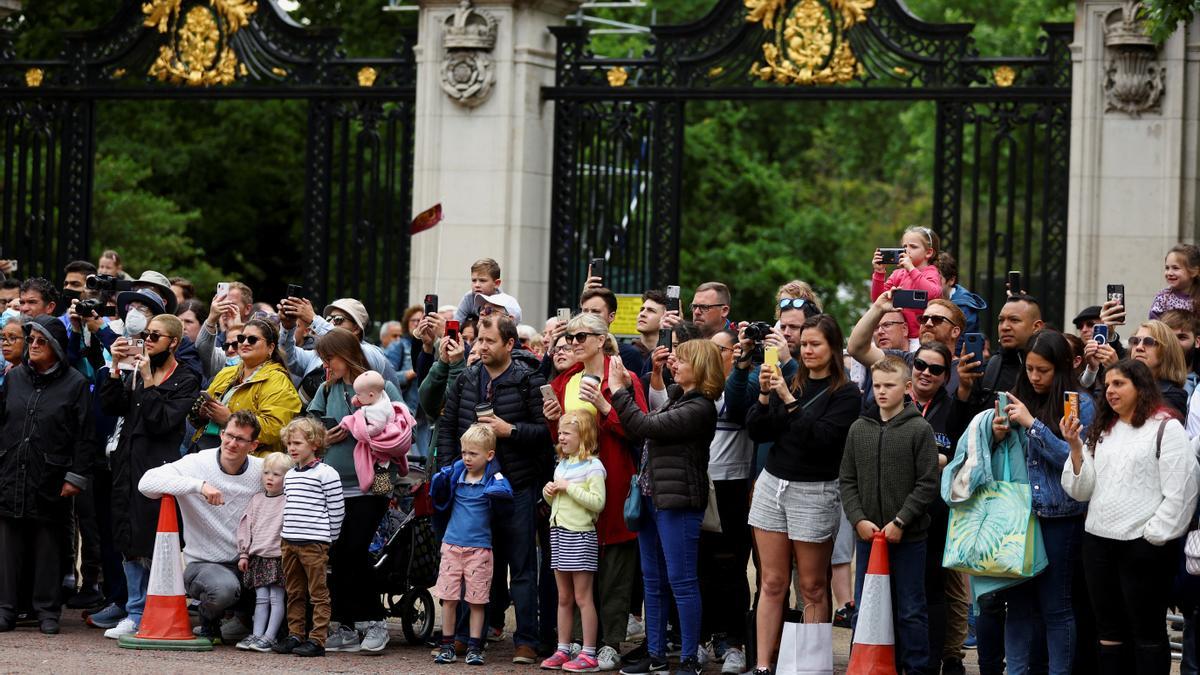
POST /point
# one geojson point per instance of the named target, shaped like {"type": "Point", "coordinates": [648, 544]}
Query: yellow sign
{"type": "Point", "coordinates": [628, 306]}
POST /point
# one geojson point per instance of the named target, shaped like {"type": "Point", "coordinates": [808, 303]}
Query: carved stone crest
{"type": "Point", "coordinates": [1134, 79]}
{"type": "Point", "coordinates": [468, 73]}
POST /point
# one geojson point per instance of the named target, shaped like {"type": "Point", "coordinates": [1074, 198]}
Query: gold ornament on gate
{"type": "Point", "coordinates": [810, 44]}
{"type": "Point", "coordinates": [198, 52]}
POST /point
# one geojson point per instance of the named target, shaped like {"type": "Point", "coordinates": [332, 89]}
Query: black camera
{"type": "Point", "coordinates": [758, 331]}
{"type": "Point", "coordinates": [94, 308]}
{"type": "Point", "coordinates": [107, 282]}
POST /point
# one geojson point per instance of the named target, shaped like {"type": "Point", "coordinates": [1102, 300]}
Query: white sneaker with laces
{"type": "Point", "coordinates": [126, 627]}
{"type": "Point", "coordinates": [608, 658]}
{"type": "Point", "coordinates": [344, 639]}
{"type": "Point", "coordinates": [635, 630]}
{"type": "Point", "coordinates": [376, 637]}
{"type": "Point", "coordinates": [735, 661]}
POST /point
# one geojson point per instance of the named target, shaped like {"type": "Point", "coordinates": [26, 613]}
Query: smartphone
{"type": "Point", "coordinates": [1100, 333]}
{"type": "Point", "coordinates": [664, 339]}
{"type": "Point", "coordinates": [1116, 292]}
{"type": "Point", "coordinates": [564, 314]}
{"type": "Point", "coordinates": [547, 392]}
{"type": "Point", "coordinates": [452, 330]}
{"type": "Point", "coordinates": [222, 288]}
{"type": "Point", "coordinates": [1014, 282]}
{"type": "Point", "coordinates": [431, 304]}
{"type": "Point", "coordinates": [771, 357]}
{"type": "Point", "coordinates": [903, 298]}
{"type": "Point", "coordinates": [973, 343]}
{"type": "Point", "coordinates": [294, 291]}
{"type": "Point", "coordinates": [1002, 401]}
{"type": "Point", "coordinates": [596, 267]}
{"type": "Point", "coordinates": [890, 256]}
{"type": "Point", "coordinates": [1070, 404]}
{"type": "Point", "coordinates": [672, 298]}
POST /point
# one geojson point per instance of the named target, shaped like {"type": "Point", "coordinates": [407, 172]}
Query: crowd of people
{"type": "Point", "coordinates": [613, 492]}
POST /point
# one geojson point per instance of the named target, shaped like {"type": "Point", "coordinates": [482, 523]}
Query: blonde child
{"type": "Point", "coordinates": [260, 557]}
{"type": "Point", "coordinates": [576, 497]}
{"type": "Point", "coordinates": [1181, 269]}
{"type": "Point", "coordinates": [916, 271]}
{"type": "Point", "coordinates": [312, 520]}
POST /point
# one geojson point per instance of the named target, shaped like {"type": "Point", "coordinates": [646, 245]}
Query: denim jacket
{"type": "Point", "coordinates": [1044, 461]}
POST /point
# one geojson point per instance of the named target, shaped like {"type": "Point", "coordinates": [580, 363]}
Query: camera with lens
{"type": "Point", "coordinates": [108, 282]}
{"type": "Point", "coordinates": [94, 308]}
{"type": "Point", "coordinates": [757, 331]}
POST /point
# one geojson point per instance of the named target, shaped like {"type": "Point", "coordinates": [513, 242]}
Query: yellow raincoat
{"type": "Point", "coordinates": [269, 394]}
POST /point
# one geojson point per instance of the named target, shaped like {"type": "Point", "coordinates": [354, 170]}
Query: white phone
{"type": "Point", "coordinates": [547, 391]}
{"type": "Point", "coordinates": [222, 288]}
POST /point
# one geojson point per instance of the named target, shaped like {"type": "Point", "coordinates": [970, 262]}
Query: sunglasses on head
{"type": "Point", "coordinates": [931, 368]}
{"type": "Point", "coordinates": [578, 338]}
{"type": "Point", "coordinates": [1144, 341]}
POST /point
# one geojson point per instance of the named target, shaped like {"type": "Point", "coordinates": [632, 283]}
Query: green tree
{"type": "Point", "coordinates": [1164, 16]}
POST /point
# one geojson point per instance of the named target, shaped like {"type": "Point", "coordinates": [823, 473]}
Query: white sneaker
{"type": "Point", "coordinates": [635, 630]}
{"type": "Point", "coordinates": [126, 627]}
{"type": "Point", "coordinates": [344, 639]}
{"type": "Point", "coordinates": [608, 658]}
{"type": "Point", "coordinates": [735, 661]}
{"type": "Point", "coordinates": [376, 637]}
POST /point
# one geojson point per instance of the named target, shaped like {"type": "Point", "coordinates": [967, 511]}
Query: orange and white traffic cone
{"type": "Point", "coordinates": [874, 649]}
{"type": "Point", "coordinates": [165, 623]}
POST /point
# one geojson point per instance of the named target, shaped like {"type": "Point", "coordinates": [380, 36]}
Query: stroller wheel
{"type": "Point", "coordinates": [417, 615]}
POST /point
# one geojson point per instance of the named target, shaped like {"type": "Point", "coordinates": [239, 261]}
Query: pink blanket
{"type": "Point", "coordinates": [390, 445]}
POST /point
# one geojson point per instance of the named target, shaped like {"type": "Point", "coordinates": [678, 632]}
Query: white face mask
{"type": "Point", "coordinates": [232, 360]}
{"type": "Point", "coordinates": [135, 322]}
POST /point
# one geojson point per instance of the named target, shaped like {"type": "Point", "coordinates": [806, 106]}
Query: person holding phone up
{"type": "Point", "coordinates": [915, 271]}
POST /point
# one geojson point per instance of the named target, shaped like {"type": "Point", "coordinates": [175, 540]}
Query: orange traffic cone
{"type": "Point", "coordinates": [165, 623]}
{"type": "Point", "coordinates": [874, 649]}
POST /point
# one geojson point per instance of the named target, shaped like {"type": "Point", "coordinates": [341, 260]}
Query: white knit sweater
{"type": "Point", "coordinates": [211, 531]}
{"type": "Point", "coordinates": [1131, 493]}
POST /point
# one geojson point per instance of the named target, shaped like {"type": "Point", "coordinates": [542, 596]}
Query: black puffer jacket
{"type": "Point", "coordinates": [677, 442]}
{"type": "Point", "coordinates": [150, 437]}
{"type": "Point", "coordinates": [516, 399]}
{"type": "Point", "coordinates": [47, 438]}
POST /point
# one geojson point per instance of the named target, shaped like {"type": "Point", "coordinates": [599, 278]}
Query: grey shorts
{"type": "Point", "coordinates": [805, 511]}
{"type": "Point", "coordinates": [843, 545]}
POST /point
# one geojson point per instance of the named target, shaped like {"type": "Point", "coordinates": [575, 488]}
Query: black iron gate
{"type": "Point", "coordinates": [359, 154]}
{"type": "Point", "coordinates": [1003, 133]}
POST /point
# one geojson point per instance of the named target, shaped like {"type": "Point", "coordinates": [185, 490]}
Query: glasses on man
{"type": "Point", "coordinates": [701, 309]}
{"type": "Point", "coordinates": [933, 318]}
{"type": "Point", "coordinates": [1146, 342]}
{"type": "Point", "coordinates": [884, 325]}
{"type": "Point", "coordinates": [579, 338]}
{"type": "Point", "coordinates": [230, 345]}
{"type": "Point", "coordinates": [335, 319]}
{"type": "Point", "coordinates": [235, 438]}
{"type": "Point", "coordinates": [37, 341]}
{"type": "Point", "coordinates": [934, 369]}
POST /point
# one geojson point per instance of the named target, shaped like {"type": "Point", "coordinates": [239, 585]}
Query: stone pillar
{"type": "Point", "coordinates": [486, 157]}
{"type": "Point", "coordinates": [1135, 118]}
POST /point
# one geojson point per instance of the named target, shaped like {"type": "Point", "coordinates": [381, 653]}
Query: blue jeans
{"type": "Point", "coordinates": [909, 614]}
{"type": "Point", "coordinates": [669, 544]}
{"type": "Point", "coordinates": [137, 580]}
{"type": "Point", "coordinates": [514, 543]}
{"type": "Point", "coordinates": [1040, 613]}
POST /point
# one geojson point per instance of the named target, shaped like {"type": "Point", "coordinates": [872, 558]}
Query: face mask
{"type": "Point", "coordinates": [159, 360]}
{"type": "Point", "coordinates": [232, 360]}
{"type": "Point", "coordinates": [10, 314]}
{"type": "Point", "coordinates": [135, 322]}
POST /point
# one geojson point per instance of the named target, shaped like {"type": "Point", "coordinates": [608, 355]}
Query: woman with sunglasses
{"type": "Point", "coordinates": [584, 386]}
{"type": "Point", "coordinates": [153, 402]}
{"type": "Point", "coordinates": [1035, 406]}
{"type": "Point", "coordinates": [12, 345]}
{"type": "Point", "coordinates": [1155, 345]}
{"type": "Point", "coordinates": [259, 383]}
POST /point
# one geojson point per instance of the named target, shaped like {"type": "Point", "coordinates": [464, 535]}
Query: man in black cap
{"type": "Point", "coordinates": [46, 414]}
{"type": "Point", "coordinates": [1085, 320]}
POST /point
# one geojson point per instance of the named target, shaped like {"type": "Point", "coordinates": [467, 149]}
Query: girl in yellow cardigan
{"type": "Point", "coordinates": [576, 497]}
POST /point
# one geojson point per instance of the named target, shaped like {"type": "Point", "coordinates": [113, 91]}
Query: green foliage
{"type": "Point", "coordinates": [1162, 17]}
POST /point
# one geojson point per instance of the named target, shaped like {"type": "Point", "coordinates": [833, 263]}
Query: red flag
{"type": "Point", "coordinates": [426, 219]}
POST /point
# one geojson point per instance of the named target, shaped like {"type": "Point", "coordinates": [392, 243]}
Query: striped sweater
{"type": "Point", "coordinates": [315, 507]}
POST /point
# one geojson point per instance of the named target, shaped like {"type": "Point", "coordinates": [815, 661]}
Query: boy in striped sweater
{"type": "Point", "coordinates": [312, 520]}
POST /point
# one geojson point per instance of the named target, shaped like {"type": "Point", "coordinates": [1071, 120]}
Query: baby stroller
{"type": "Point", "coordinates": [406, 553]}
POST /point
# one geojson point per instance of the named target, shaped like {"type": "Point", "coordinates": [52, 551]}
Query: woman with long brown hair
{"type": "Point", "coordinates": [796, 507]}
{"type": "Point", "coordinates": [1139, 476]}
{"type": "Point", "coordinates": [355, 599]}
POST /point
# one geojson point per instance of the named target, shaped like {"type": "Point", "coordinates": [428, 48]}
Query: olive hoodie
{"type": "Point", "coordinates": [889, 470]}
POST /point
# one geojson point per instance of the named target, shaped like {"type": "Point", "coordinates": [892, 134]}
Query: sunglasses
{"type": "Point", "coordinates": [336, 320]}
{"type": "Point", "coordinates": [792, 303]}
{"type": "Point", "coordinates": [230, 345]}
{"type": "Point", "coordinates": [248, 339]}
{"type": "Point", "coordinates": [1146, 342]}
{"type": "Point", "coordinates": [931, 368]}
{"type": "Point", "coordinates": [153, 337]}
{"type": "Point", "coordinates": [37, 341]}
{"type": "Point", "coordinates": [937, 320]}
{"type": "Point", "coordinates": [579, 338]}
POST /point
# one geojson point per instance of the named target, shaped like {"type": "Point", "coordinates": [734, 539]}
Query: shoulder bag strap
{"type": "Point", "coordinates": [1162, 426]}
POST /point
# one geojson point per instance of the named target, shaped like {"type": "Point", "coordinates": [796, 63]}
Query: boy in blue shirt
{"type": "Point", "coordinates": [464, 494]}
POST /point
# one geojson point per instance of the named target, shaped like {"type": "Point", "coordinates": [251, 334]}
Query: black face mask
{"type": "Point", "coordinates": [160, 359]}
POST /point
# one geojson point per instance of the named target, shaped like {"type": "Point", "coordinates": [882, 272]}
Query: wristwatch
{"type": "Point", "coordinates": [897, 522]}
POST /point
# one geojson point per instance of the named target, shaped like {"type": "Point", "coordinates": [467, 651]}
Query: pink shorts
{"type": "Point", "coordinates": [472, 566]}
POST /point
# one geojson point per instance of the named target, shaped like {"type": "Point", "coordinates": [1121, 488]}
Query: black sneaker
{"type": "Point", "coordinates": [286, 645]}
{"type": "Point", "coordinates": [636, 654]}
{"type": "Point", "coordinates": [48, 626]}
{"type": "Point", "coordinates": [445, 655]}
{"type": "Point", "coordinates": [842, 617]}
{"type": "Point", "coordinates": [690, 666]}
{"type": "Point", "coordinates": [474, 656]}
{"type": "Point", "coordinates": [953, 666]}
{"type": "Point", "coordinates": [212, 631]}
{"type": "Point", "coordinates": [308, 648]}
{"type": "Point", "coordinates": [650, 664]}
{"type": "Point", "coordinates": [761, 671]}
{"type": "Point", "coordinates": [7, 625]}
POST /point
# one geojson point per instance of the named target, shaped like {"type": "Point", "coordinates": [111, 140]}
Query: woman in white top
{"type": "Point", "coordinates": [1140, 475]}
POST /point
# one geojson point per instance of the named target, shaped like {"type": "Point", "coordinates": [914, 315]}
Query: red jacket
{"type": "Point", "coordinates": [926, 279]}
{"type": "Point", "coordinates": [616, 454]}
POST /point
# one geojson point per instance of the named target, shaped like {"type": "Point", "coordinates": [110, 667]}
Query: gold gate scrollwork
{"type": "Point", "coordinates": [809, 45]}
{"type": "Point", "coordinates": [198, 52]}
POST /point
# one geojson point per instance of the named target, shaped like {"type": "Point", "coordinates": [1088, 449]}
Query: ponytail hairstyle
{"type": "Point", "coordinates": [1191, 256]}
{"type": "Point", "coordinates": [931, 240]}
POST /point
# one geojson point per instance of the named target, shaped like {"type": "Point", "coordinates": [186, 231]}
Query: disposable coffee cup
{"type": "Point", "coordinates": [595, 379]}
{"type": "Point", "coordinates": [483, 410]}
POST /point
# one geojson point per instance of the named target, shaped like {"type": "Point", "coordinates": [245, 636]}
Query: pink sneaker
{"type": "Point", "coordinates": [556, 661]}
{"type": "Point", "coordinates": [582, 664]}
